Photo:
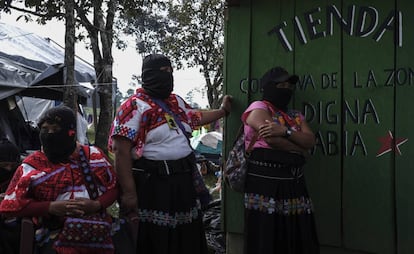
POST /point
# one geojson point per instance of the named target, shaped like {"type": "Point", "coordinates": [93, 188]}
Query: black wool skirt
{"type": "Point", "coordinates": [169, 211]}
{"type": "Point", "coordinates": [279, 213]}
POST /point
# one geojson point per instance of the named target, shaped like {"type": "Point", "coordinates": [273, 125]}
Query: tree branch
{"type": "Point", "coordinates": [58, 15]}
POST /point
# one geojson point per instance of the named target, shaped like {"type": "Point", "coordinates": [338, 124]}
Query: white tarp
{"type": "Point", "coordinates": [33, 108]}
{"type": "Point", "coordinates": [210, 142]}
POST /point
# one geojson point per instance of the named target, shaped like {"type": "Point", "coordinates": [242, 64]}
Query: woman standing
{"type": "Point", "coordinates": [160, 183]}
{"type": "Point", "coordinates": [279, 214]}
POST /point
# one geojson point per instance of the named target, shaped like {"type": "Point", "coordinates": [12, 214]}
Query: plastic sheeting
{"type": "Point", "coordinates": [26, 57]}
{"type": "Point", "coordinates": [212, 223]}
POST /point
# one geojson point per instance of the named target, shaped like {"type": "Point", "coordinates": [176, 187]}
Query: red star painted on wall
{"type": "Point", "coordinates": [387, 144]}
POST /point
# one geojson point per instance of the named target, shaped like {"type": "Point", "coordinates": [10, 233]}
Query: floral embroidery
{"type": "Point", "coordinates": [124, 131]}
{"type": "Point", "coordinates": [124, 113]}
{"type": "Point", "coordinates": [292, 118]}
{"type": "Point", "coordinates": [149, 119]}
{"type": "Point", "coordinates": [293, 114]}
{"type": "Point", "coordinates": [165, 219]}
{"type": "Point", "coordinates": [292, 206]}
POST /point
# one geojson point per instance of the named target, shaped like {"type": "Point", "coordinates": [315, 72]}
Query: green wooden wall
{"type": "Point", "coordinates": [354, 60]}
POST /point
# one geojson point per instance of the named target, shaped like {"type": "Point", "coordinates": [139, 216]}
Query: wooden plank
{"type": "Point", "coordinates": [268, 50]}
{"type": "Point", "coordinates": [403, 81]}
{"type": "Point", "coordinates": [318, 95]}
{"type": "Point", "coordinates": [263, 53]}
{"type": "Point", "coordinates": [368, 117]}
{"type": "Point", "coordinates": [237, 64]}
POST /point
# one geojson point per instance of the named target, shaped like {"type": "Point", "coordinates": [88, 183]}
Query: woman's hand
{"type": "Point", "coordinates": [60, 208]}
{"type": "Point", "coordinates": [129, 203]}
{"type": "Point", "coordinates": [226, 104]}
{"type": "Point", "coordinates": [271, 129]}
{"type": "Point", "coordinates": [74, 207]}
{"type": "Point", "coordinates": [209, 116]}
{"type": "Point", "coordinates": [83, 206]}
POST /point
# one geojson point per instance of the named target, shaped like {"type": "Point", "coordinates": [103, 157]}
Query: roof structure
{"type": "Point", "coordinates": [33, 66]}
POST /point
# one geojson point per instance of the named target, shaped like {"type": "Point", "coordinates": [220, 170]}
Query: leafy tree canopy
{"type": "Point", "coordinates": [97, 17]}
{"type": "Point", "coordinates": [191, 33]}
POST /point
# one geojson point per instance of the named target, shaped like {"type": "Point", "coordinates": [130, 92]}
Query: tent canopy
{"type": "Point", "coordinates": [208, 143]}
{"type": "Point", "coordinates": [33, 66]}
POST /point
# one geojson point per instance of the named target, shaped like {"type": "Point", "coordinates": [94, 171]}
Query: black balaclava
{"type": "Point", "coordinates": [58, 146]}
{"type": "Point", "coordinates": [279, 97]}
{"type": "Point", "coordinates": [157, 83]}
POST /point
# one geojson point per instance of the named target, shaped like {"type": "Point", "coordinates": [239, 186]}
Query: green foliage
{"type": "Point", "coordinates": [42, 11]}
{"type": "Point", "coordinates": [97, 18]}
{"type": "Point", "coordinates": [190, 33]}
{"type": "Point", "coordinates": [90, 133]}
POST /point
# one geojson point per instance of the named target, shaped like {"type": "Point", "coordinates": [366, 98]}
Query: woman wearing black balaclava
{"type": "Point", "coordinates": [279, 215]}
{"type": "Point", "coordinates": [161, 185]}
{"type": "Point", "coordinates": [67, 187]}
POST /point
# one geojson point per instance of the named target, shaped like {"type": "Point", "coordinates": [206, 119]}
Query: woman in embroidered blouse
{"type": "Point", "coordinates": [53, 186]}
{"type": "Point", "coordinates": [279, 216]}
{"type": "Point", "coordinates": [164, 188]}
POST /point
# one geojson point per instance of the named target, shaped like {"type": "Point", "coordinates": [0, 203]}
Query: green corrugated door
{"type": "Point", "coordinates": [355, 90]}
{"type": "Point", "coordinates": [368, 201]}
{"type": "Point", "coordinates": [237, 75]}
{"type": "Point", "coordinates": [259, 52]}
{"type": "Point", "coordinates": [266, 51]}
{"type": "Point", "coordinates": [403, 79]}
{"type": "Point", "coordinates": [318, 96]}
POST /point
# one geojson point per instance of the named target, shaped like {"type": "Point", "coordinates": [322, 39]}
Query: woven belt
{"type": "Point", "coordinates": [164, 167]}
{"type": "Point", "coordinates": [293, 172]}
{"type": "Point", "coordinates": [268, 164]}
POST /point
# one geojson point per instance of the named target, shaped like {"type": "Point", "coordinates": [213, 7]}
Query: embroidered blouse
{"type": "Point", "coordinates": [145, 123]}
{"type": "Point", "coordinates": [296, 118]}
{"type": "Point", "coordinates": [37, 182]}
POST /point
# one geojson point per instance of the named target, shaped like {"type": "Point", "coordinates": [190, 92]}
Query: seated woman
{"type": "Point", "coordinates": [64, 187]}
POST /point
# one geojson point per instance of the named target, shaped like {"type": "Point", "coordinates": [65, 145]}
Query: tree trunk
{"type": "Point", "coordinates": [70, 95]}
{"type": "Point", "coordinates": [105, 114]}
{"type": "Point", "coordinates": [103, 30]}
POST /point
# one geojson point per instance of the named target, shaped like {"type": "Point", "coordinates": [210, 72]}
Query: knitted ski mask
{"type": "Point", "coordinates": [59, 145]}
{"type": "Point", "coordinates": [279, 97]}
{"type": "Point", "coordinates": [157, 83]}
